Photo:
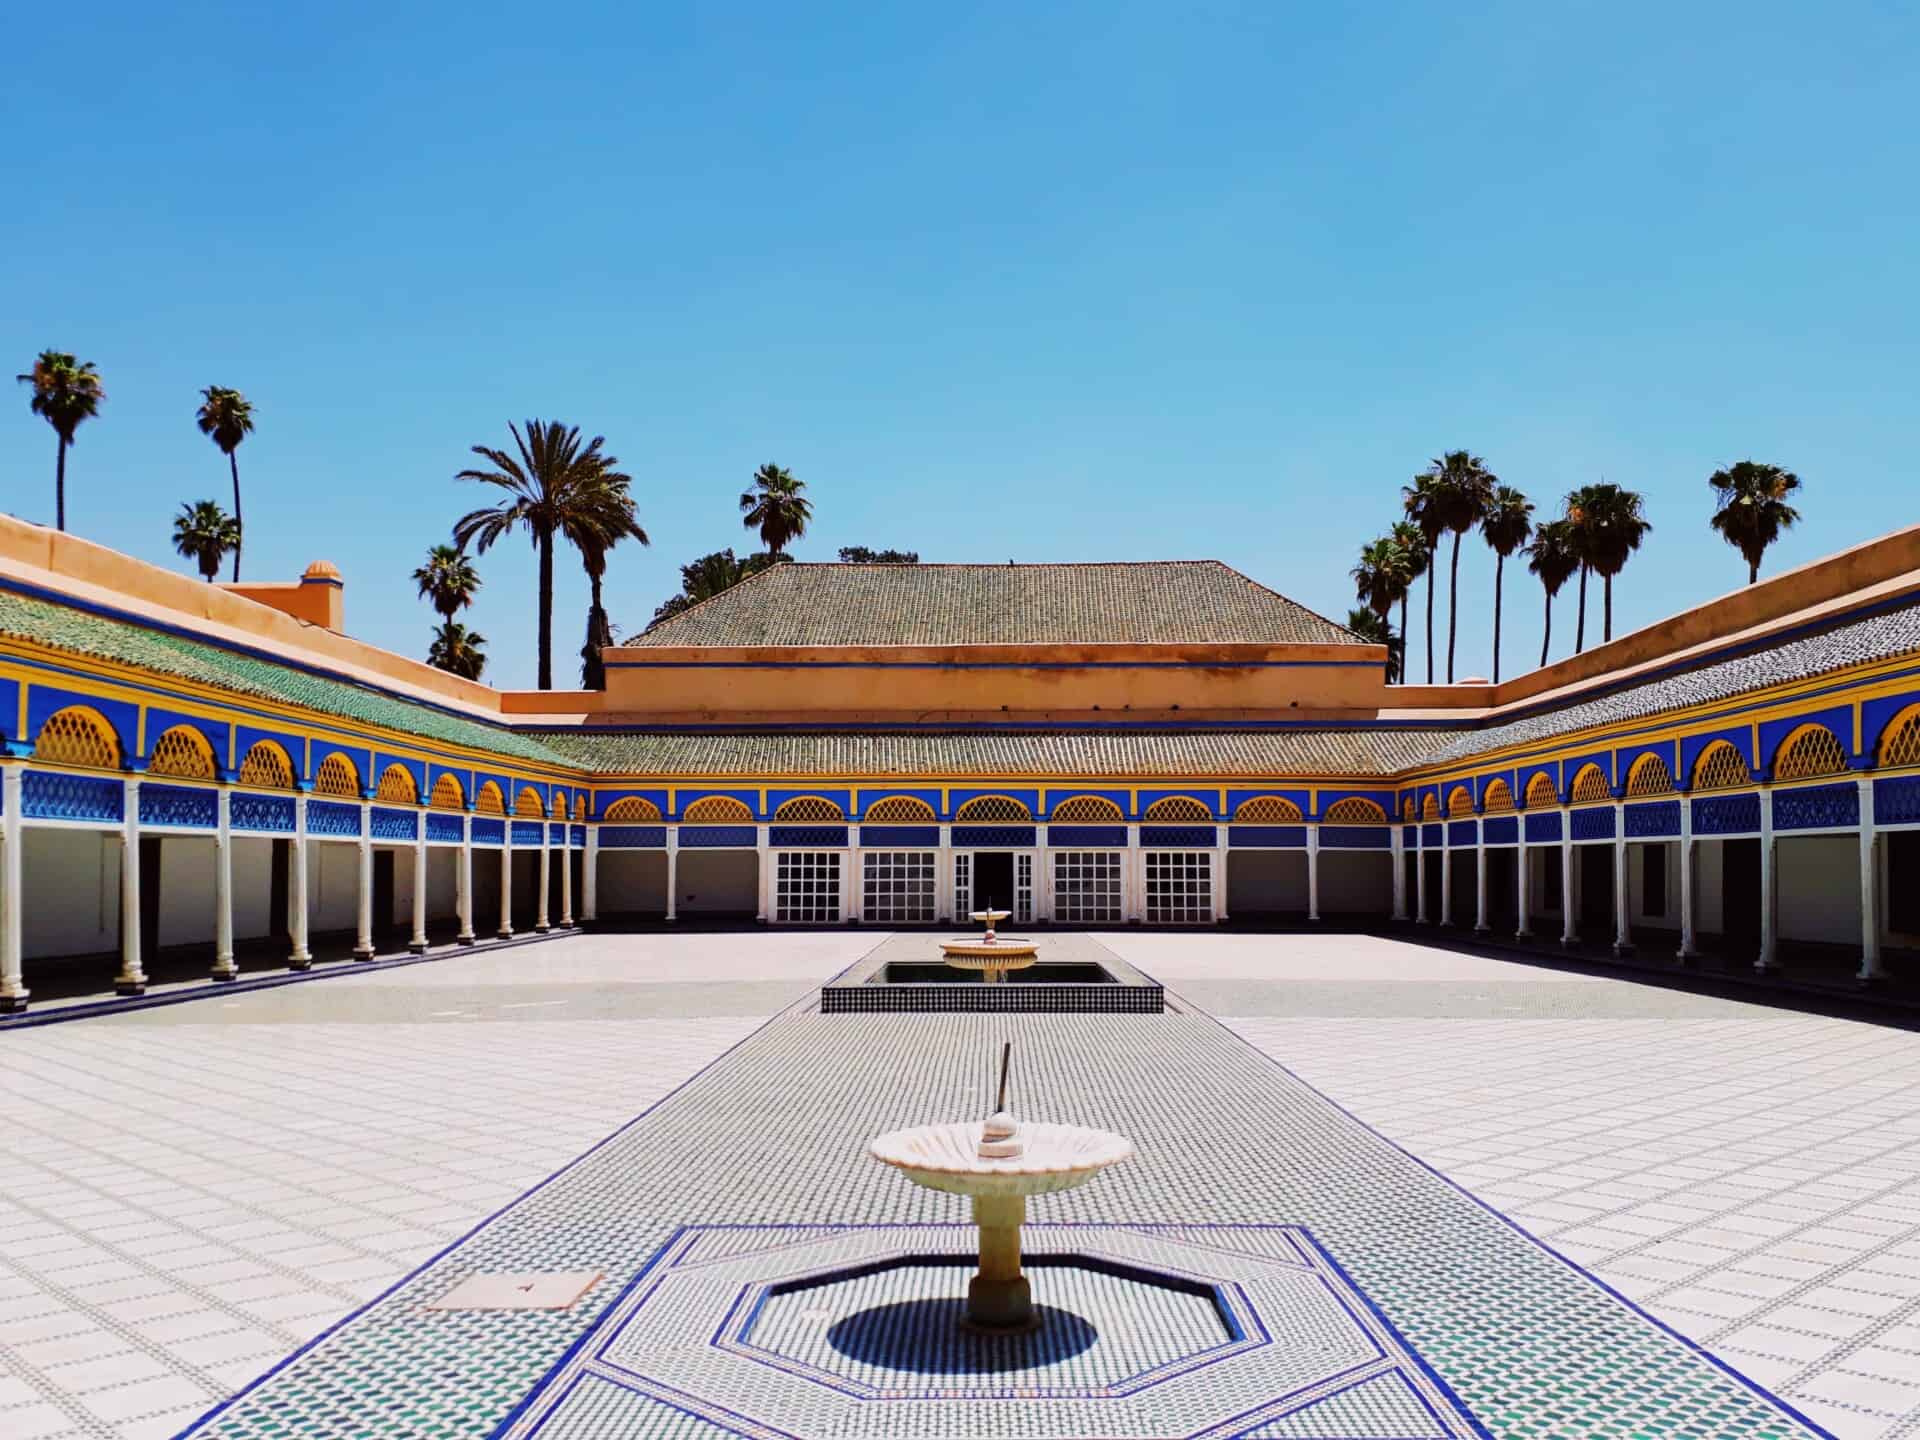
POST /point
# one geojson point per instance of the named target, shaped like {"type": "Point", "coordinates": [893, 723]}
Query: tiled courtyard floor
{"type": "Point", "coordinates": [188, 1194]}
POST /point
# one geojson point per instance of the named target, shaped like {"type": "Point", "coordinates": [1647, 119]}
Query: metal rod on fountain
{"type": "Point", "coordinates": [1006, 1058]}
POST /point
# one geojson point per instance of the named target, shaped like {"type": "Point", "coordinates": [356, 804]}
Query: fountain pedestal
{"type": "Point", "coordinates": [998, 1296]}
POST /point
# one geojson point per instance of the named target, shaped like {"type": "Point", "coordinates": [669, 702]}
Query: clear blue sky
{"type": "Point", "coordinates": [1072, 281]}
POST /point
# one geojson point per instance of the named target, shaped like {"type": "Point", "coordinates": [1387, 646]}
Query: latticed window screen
{"type": "Point", "coordinates": [962, 886]}
{"type": "Point", "coordinates": [1355, 811]}
{"type": "Point", "coordinates": [807, 887]}
{"type": "Point", "coordinates": [634, 807]}
{"type": "Point", "coordinates": [1178, 810]}
{"type": "Point", "coordinates": [397, 787]}
{"type": "Point", "coordinates": [808, 810]}
{"type": "Point", "coordinates": [1902, 743]}
{"type": "Point", "coordinates": [1087, 809]}
{"type": "Point", "coordinates": [183, 751]}
{"type": "Point", "coordinates": [718, 809]}
{"type": "Point", "coordinates": [1720, 767]}
{"type": "Point", "coordinates": [897, 887]}
{"type": "Point", "coordinates": [1649, 776]}
{"type": "Point", "coordinates": [898, 808]}
{"type": "Point", "coordinates": [1179, 887]}
{"type": "Point", "coordinates": [1460, 802]}
{"type": "Point", "coordinates": [337, 777]}
{"type": "Point", "coordinates": [1269, 810]}
{"type": "Point", "coordinates": [1540, 792]}
{"type": "Point", "coordinates": [992, 810]}
{"type": "Point", "coordinates": [1430, 808]}
{"type": "Point", "coordinates": [529, 804]}
{"type": "Point", "coordinates": [1812, 751]}
{"type": "Point", "coordinates": [1086, 887]}
{"type": "Point", "coordinates": [447, 794]}
{"type": "Point", "coordinates": [77, 737]}
{"type": "Point", "coordinates": [580, 805]}
{"type": "Point", "coordinates": [490, 801]}
{"type": "Point", "coordinates": [1497, 798]}
{"type": "Point", "coordinates": [1590, 785]}
{"type": "Point", "coordinates": [267, 766]}
{"type": "Point", "coordinates": [1023, 889]}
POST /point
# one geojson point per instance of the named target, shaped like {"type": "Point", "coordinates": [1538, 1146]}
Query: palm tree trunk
{"type": "Point", "coordinates": [1499, 569]}
{"type": "Point", "coordinates": [233, 462]}
{"type": "Point", "coordinates": [1453, 604]}
{"type": "Point", "coordinates": [1580, 626]}
{"type": "Point", "coordinates": [60, 487]}
{"type": "Point", "coordinates": [1753, 571]}
{"type": "Point", "coordinates": [1403, 635]}
{"type": "Point", "coordinates": [546, 610]}
{"type": "Point", "coordinates": [1606, 585]}
{"type": "Point", "coordinates": [1546, 635]}
{"type": "Point", "coordinates": [1429, 624]}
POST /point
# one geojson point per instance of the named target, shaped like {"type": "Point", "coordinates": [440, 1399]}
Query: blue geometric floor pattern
{"type": "Point", "coordinates": [1358, 1294]}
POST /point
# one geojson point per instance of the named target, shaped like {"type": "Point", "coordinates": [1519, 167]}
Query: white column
{"type": "Point", "coordinates": [505, 932]}
{"type": "Point", "coordinates": [1687, 951]}
{"type": "Point", "coordinates": [1220, 853]}
{"type": "Point", "coordinates": [590, 878]}
{"type": "Point", "coordinates": [1446, 872]}
{"type": "Point", "coordinates": [763, 865]}
{"type": "Point", "coordinates": [463, 881]}
{"type": "Point", "coordinates": [1523, 880]}
{"type": "Point", "coordinates": [13, 990]}
{"type": "Point", "coordinates": [1420, 877]}
{"type": "Point", "coordinates": [417, 945]}
{"type": "Point", "coordinates": [1622, 918]}
{"type": "Point", "coordinates": [1869, 887]}
{"type": "Point", "coordinates": [566, 874]}
{"type": "Point", "coordinates": [363, 936]}
{"type": "Point", "coordinates": [943, 907]}
{"type": "Point", "coordinates": [132, 979]}
{"type": "Point", "coordinates": [1136, 877]}
{"type": "Point", "coordinates": [301, 958]}
{"type": "Point", "coordinates": [1042, 875]}
{"type": "Point", "coordinates": [673, 871]}
{"type": "Point", "coordinates": [540, 922]}
{"type": "Point", "coordinates": [1313, 871]}
{"type": "Point", "coordinates": [1480, 924]}
{"type": "Point", "coordinates": [1569, 931]}
{"type": "Point", "coordinates": [1767, 959]}
{"type": "Point", "coordinates": [223, 964]}
{"type": "Point", "coordinates": [1398, 844]}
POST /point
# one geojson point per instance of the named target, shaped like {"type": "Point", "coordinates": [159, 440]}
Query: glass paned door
{"type": "Point", "coordinates": [1179, 887]}
{"type": "Point", "coordinates": [1086, 887]}
{"type": "Point", "coordinates": [897, 887]}
{"type": "Point", "coordinates": [962, 888]}
{"type": "Point", "coordinates": [1023, 889]}
{"type": "Point", "coordinates": [807, 887]}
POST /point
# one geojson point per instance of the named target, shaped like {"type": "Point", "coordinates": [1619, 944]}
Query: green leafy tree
{"type": "Point", "coordinates": [603, 520]}
{"type": "Point", "coordinates": [861, 555]}
{"type": "Point", "coordinates": [712, 575]}
{"type": "Point", "coordinates": [1425, 502]}
{"type": "Point", "coordinates": [1419, 555]}
{"type": "Point", "coordinates": [65, 393]}
{"type": "Point", "coordinates": [1751, 509]}
{"type": "Point", "coordinates": [1372, 627]}
{"type": "Point", "coordinates": [1553, 557]}
{"type": "Point", "coordinates": [551, 483]}
{"type": "Point", "coordinates": [1380, 579]}
{"type": "Point", "coordinates": [226, 417]}
{"type": "Point", "coordinates": [458, 651]}
{"type": "Point", "coordinates": [1505, 524]}
{"type": "Point", "coordinates": [777, 507]}
{"type": "Point", "coordinates": [1608, 525]}
{"type": "Point", "coordinates": [204, 533]}
{"type": "Point", "coordinates": [447, 581]}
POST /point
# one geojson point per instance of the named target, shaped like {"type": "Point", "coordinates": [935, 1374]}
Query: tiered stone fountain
{"type": "Point", "coordinates": [990, 955]}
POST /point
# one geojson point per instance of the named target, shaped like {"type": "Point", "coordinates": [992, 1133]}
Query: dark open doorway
{"type": "Point", "coordinates": [1596, 891]}
{"type": "Point", "coordinates": [993, 880]}
{"type": "Point", "coordinates": [1740, 894]}
{"type": "Point", "coordinates": [383, 921]}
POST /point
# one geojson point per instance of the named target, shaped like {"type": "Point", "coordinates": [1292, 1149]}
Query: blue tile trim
{"type": "Point", "coordinates": [1087, 836]}
{"type": "Point", "coordinates": [807, 837]}
{"type": "Point", "coordinates": [1653, 819]}
{"type": "Point", "coordinates": [62, 795]}
{"type": "Point", "coordinates": [1267, 837]}
{"type": "Point", "coordinates": [527, 833]}
{"type": "Point", "coordinates": [443, 827]}
{"type": "Point", "coordinates": [270, 813]}
{"type": "Point", "coordinates": [1593, 823]}
{"type": "Point", "coordinates": [179, 806]}
{"type": "Point", "coordinates": [904, 836]}
{"type": "Point", "coordinates": [1432, 834]}
{"type": "Point", "coordinates": [329, 817]}
{"type": "Point", "coordinates": [1355, 837]}
{"type": "Point", "coordinates": [1543, 827]}
{"type": "Point", "coordinates": [395, 824]}
{"type": "Point", "coordinates": [1501, 829]}
{"type": "Point", "coordinates": [1463, 832]}
{"type": "Point", "coordinates": [1727, 814]}
{"type": "Point", "coordinates": [1178, 837]}
{"type": "Point", "coordinates": [634, 837]}
{"type": "Point", "coordinates": [579, 837]}
{"type": "Point", "coordinates": [1896, 800]}
{"type": "Point", "coordinates": [489, 830]}
{"type": "Point", "coordinates": [994, 837]}
{"type": "Point", "coordinates": [1817, 807]}
{"type": "Point", "coordinates": [717, 837]}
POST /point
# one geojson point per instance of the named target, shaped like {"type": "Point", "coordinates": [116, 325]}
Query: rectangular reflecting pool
{"type": "Point", "coordinates": [1074, 973]}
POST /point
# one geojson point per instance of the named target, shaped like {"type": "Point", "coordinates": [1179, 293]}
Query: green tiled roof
{"type": "Point", "coordinates": [1168, 602]}
{"type": "Point", "coordinates": [1067, 753]}
{"type": "Point", "coordinates": [63, 628]}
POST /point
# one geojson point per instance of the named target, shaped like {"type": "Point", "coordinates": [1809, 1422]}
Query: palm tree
{"type": "Point", "coordinates": [1609, 523]}
{"type": "Point", "coordinates": [1407, 536]}
{"type": "Point", "coordinates": [65, 392]}
{"type": "Point", "coordinates": [1380, 579]}
{"type": "Point", "coordinates": [1505, 525]}
{"type": "Point", "coordinates": [227, 416]}
{"type": "Point", "coordinates": [709, 576]}
{"type": "Point", "coordinates": [1553, 556]}
{"type": "Point", "coordinates": [602, 520]}
{"type": "Point", "coordinates": [776, 508]}
{"type": "Point", "coordinates": [1425, 502]}
{"type": "Point", "coordinates": [549, 484]}
{"type": "Point", "coordinates": [203, 532]}
{"type": "Point", "coordinates": [458, 650]}
{"type": "Point", "coordinates": [447, 581]}
{"type": "Point", "coordinates": [1461, 485]}
{"type": "Point", "coordinates": [1372, 627]}
{"type": "Point", "coordinates": [1751, 508]}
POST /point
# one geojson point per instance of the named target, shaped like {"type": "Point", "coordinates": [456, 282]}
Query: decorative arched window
{"type": "Point", "coordinates": [1497, 798]}
{"type": "Point", "coordinates": [1178, 810]}
{"type": "Point", "coordinates": [1900, 741]}
{"type": "Point", "coordinates": [1355, 810]}
{"type": "Point", "coordinates": [1650, 776]}
{"type": "Point", "coordinates": [1269, 810]}
{"type": "Point", "coordinates": [718, 809]}
{"type": "Point", "coordinates": [1460, 801]}
{"type": "Point", "coordinates": [1591, 785]}
{"type": "Point", "coordinates": [1809, 751]}
{"type": "Point", "coordinates": [447, 794]}
{"type": "Point", "coordinates": [1540, 792]}
{"type": "Point", "coordinates": [397, 787]}
{"type": "Point", "coordinates": [490, 801]}
{"type": "Point", "coordinates": [634, 807]}
{"type": "Point", "coordinates": [183, 753]}
{"type": "Point", "coordinates": [77, 736]}
{"type": "Point", "coordinates": [267, 767]}
{"type": "Point", "coordinates": [337, 776]}
{"type": "Point", "coordinates": [993, 810]}
{"type": "Point", "coordinates": [1430, 807]}
{"type": "Point", "coordinates": [1407, 808]}
{"type": "Point", "coordinates": [579, 804]}
{"type": "Point", "coordinates": [1720, 767]}
{"type": "Point", "coordinates": [808, 810]}
{"type": "Point", "coordinates": [896, 809]}
{"type": "Point", "coordinates": [1087, 810]}
{"type": "Point", "coordinates": [529, 805]}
